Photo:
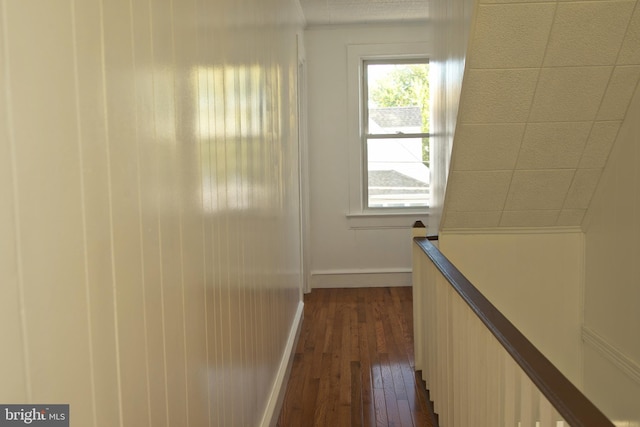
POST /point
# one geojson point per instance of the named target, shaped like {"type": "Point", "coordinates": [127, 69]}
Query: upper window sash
{"type": "Point", "coordinates": [366, 132]}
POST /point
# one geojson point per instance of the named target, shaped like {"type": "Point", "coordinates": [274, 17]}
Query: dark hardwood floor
{"type": "Point", "coordinates": [353, 364]}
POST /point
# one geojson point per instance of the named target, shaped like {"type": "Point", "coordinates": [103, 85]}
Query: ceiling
{"type": "Point", "coordinates": [546, 89]}
{"type": "Point", "coordinates": [331, 12]}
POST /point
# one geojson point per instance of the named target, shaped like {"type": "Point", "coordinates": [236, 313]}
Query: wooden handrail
{"type": "Point", "coordinates": [570, 402]}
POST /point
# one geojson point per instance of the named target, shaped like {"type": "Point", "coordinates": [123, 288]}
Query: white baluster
{"type": "Point", "coordinates": [510, 394]}
{"type": "Point", "coordinates": [441, 359]}
{"type": "Point", "coordinates": [456, 374]}
{"type": "Point", "coordinates": [429, 307]}
{"type": "Point", "coordinates": [446, 337]}
{"type": "Point", "coordinates": [468, 387]}
{"type": "Point", "coordinates": [483, 368]}
{"type": "Point", "coordinates": [549, 417]}
{"type": "Point", "coordinates": [526, 402]}
{"type": "Point", "coordinates": [495, 377]}
{"type": "Point", "coordinates": [418, 318]}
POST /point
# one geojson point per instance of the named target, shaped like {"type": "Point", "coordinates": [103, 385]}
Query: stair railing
{"type": "Point", "coordinates": [479, 369]}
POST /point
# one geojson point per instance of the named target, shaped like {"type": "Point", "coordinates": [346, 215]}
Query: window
{"type": "Point", "coordinates": [385, 191]}
{"type": "Point", "coordinates": [395, 134]}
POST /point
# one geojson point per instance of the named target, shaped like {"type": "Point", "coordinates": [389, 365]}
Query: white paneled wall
{"type": "Point", "coordinates": [451, 23]}
{"type": "Point", "coordinates": [149, 207]}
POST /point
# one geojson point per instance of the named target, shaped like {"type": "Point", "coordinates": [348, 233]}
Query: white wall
{"type": "Point", "coordinates": [535, 279]}
{"type": "Point", "coordinates": [450, 29]}
{"type": "Point", "coordinates": [149, 258]}
{"type": "Point", "coordinates": [612, 294]}
{"type": "Point", "coordinates": [341, 255]}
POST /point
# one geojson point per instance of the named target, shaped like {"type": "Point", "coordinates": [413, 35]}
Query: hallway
{"type": "Point", "coordinates": [353, 364]}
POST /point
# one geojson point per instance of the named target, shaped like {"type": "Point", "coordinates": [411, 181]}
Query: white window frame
{"type": "Point", "coordinates": [359, 216]}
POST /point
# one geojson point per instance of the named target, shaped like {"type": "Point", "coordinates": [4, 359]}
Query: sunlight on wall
{"type": "Point", "coordinates": [237, 117]}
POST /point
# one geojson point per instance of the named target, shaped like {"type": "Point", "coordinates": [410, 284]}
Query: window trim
{"type": "Point", "coordinates": [356, 55]}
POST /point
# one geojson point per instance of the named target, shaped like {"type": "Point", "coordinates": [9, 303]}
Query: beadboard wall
{"type": "Point", "coordinates": [149, 208]}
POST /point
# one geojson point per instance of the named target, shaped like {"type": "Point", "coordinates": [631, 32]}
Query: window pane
{"type": "Point", "coordinates": [398, 98]}
{"type": "Point", "coordinates": [397, 172]}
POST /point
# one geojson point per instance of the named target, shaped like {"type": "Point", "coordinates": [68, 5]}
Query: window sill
{"type": "Point", "coordinates": [387, 220]}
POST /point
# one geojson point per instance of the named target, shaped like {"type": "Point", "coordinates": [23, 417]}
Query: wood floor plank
{"type": "Point", "coordinates": [368, 410]}
{"type": "Point", "coordinates": [357, 414]}
{"type": "Point", "coordinates": [353, 365]}
{"type": "Point", "coordinates": [346, 356]}
{"type": "Point", "coordinates": [393, 414]}
{"type": "Point", "coordinates": [406, 419]}
{"type": "Point", "coordinates": [324, 399]}
{"type": "Point", "coordinates": [292, 409]}
{"type": "Point", "coordinates": [309, 399]}
{"type": "Point", "coordinates": [381, 407]}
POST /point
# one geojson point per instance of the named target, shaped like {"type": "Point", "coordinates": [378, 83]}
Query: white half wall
{"type": "Point", "coordinates": [535, 279]}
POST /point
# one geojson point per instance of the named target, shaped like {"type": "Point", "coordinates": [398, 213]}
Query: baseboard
{"type": "Point", "coordinates": [276, 397]}
{"type": "Point", "coordinates": [360, 278]}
